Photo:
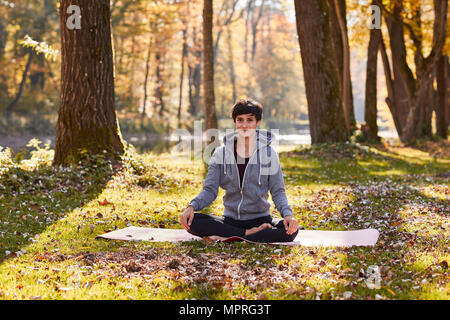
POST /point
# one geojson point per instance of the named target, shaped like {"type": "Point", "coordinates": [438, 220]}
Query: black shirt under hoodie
{"type": "Point", "coordinates": [240, 164]}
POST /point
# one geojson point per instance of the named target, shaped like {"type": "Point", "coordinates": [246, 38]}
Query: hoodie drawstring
{"type": "Point", "coordinates": [257, 157]}
{"type": "Point", "coordinates": [224, 162]}
{"type": "Point", "coordinates": [257, 151]}
{"type": "Point", "coordinates": [269, 153]}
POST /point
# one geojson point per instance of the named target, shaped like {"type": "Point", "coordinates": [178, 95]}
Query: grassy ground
{"type": "Point", "coordinates": [49, 218]}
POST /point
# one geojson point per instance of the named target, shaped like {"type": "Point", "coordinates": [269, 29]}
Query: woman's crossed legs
{"type": "Point", "coordinates": [264, 229]}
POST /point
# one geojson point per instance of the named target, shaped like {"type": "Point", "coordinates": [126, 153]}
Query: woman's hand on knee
{"type": "Point", "coordinates": [186, 217]}
{"type": "Point", "coordinates": [290, 224]}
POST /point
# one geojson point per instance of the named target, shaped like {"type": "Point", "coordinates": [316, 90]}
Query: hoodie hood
{"type": "Point", "coordinates": [263, 139]}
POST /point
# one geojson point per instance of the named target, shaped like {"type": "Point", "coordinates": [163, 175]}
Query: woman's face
{"type": "Point", "coordinates": [246, 125]}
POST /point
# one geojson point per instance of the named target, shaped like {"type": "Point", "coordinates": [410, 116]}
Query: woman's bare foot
{"type": "Point", "coordinates": [256, 229]}
{"type": "Point", "coordinates": [210, 239]}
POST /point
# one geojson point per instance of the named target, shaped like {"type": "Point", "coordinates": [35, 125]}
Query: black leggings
{"type": "Point", "coordinates": [204, 225]}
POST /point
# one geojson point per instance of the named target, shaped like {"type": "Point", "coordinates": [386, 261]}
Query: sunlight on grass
{"type": "Point", "coordinates": [50, 219]}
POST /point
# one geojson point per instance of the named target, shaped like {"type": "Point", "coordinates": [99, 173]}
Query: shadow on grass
{"type": "Point", "coordinates": [34, 200]}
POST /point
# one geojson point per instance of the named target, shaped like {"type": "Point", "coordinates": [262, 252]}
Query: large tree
{"type": "Point", "coordinates": [86, 118]}
{"type": "Point", "coordinates": [321, 75]}
{"type": "Point", "coordinates": [414, 85]}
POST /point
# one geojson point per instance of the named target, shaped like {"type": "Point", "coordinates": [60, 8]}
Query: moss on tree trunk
{"type": "Point", "coordinates": [87, 120]}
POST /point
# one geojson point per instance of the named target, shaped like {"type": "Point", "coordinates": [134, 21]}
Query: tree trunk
{"type": "Point", "coordinates": [37, 77]}
{"type": "Point", "coordinates": [208, 66]}
{"type": "Point", "coordinates": [442, 106]}
{"type": "Point", "coordinates": [416, 88]}
{"type": "Point", "coordinates": [247, 29]}
{"type": "Point", "coordinates": [323, 92]}
{"type": "Point", "coordinates": [159, 91]}
{"type": "Point", "coordinates": [339, 28]}
{"type": "Point", "coordinates": [231, 65]}
{"type": "Point", "coordinates": [195, 77]}
{"type": "Point", "coordinates": [133, 71]}
{"type": "Point", "coordinates": [3, 38]}
{"type": "Point", "coordinates": [447, 108]}
{"type": "Point", "coordinates": [255, 23]}
{"type": "Point", "coordinates": [12, 105]}
{"type": "Point", "coordinates": [184, 52]}
{"type": "Point", "coordinates": [86, 117]}
{"type": "Point", "coordinates": [389, 84]}
{"type": "Point", "coordinates": [370, 127]}
{"type": "Point", "coordinates": [427, 108]}
{"type": "Point", "coordinates": [147, 74]}
{"type": "Point", "coordinates": [221, 27]}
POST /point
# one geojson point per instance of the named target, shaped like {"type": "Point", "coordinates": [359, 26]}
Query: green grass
{"type": "Point", "coordinates": [49, 218]}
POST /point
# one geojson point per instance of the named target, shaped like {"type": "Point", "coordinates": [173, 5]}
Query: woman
{"type": "Point", "coordinates": [247, 167]}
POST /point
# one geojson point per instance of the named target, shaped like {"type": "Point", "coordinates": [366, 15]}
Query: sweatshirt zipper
{"type": "Point", "coordinates": [243, 179]}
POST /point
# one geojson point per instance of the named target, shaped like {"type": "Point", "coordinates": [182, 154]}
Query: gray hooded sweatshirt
{"type": "Point", "coordinates": [262, 174]}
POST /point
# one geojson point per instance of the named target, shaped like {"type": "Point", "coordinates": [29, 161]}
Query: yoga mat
{"type": "Point", "coordinates": [149, 234]}
{"type": "Point", "coordinates": [308, 238]}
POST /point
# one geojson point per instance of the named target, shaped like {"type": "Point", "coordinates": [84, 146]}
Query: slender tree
{"type": "Point", "coordinates": [86, 118]}
{"type": "Point", "coordinates": [342, 49]}
{"type": "Point", "coordinates": [12, 105]}
{"type": "Point", "coordinates": [184, 53]}
{"type": "Point", "coordinates": [396, 98]}
{"type": "Point", "coordinates": [159, 83]}
{"type": "Point", "coordinates": [195, 77]}
{"type": "Point", "coordinates": [147, 74]}
{"type": "Point", "coordinates": [370, 127]}
{"type": "Point", "coordinates": [231, 65]}
{"type": "Point", "coordinates": [3, 37]}
{"type": "Point", "coordinates": [255, 23]}
{"type": "Point", "coordinates": [323, 92]}
{"type": "Point", "coordinates": [208, 66]}
{"type": "Point", "coordinates": [224, 24]}
{"type": "Point", "coordinates": [442, 106]}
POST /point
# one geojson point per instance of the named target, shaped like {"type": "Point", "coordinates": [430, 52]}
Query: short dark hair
{"type": "Point", "coordinates": [245, 106]}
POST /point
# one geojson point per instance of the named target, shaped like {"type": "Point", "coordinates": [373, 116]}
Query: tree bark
{"type": "Point", "coordinates": [442, 106]}
{"type": "Point", "coordinates": [131, 87]}
{"type": "Point", "coordinates": [323, 92]}
{"type": "Point", "coordinates": [416, 88]}
{"type": "Point", "coordinates": [159, 88]}
{"type": "Point", "coordinates": [208, 66]}
{"type": "Point", "coordinates": [195, 77]}
{"type": "Point", "coordinates": [391, 96]}
{"type": "Point", "coordinates": [231, 65]}
{"type": "Point", "coordinates": [184, 53]}
{"type": "Point", "coordinates": [3, 38]}
{"type": "Point", "coordinates": [147, 74]}
{"type": "Point", "coordinates": [370, 127]}
{"type": "Point", "coordinates": [339, 20]}
{"type": "Point", "coordinates": [86, 118]}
